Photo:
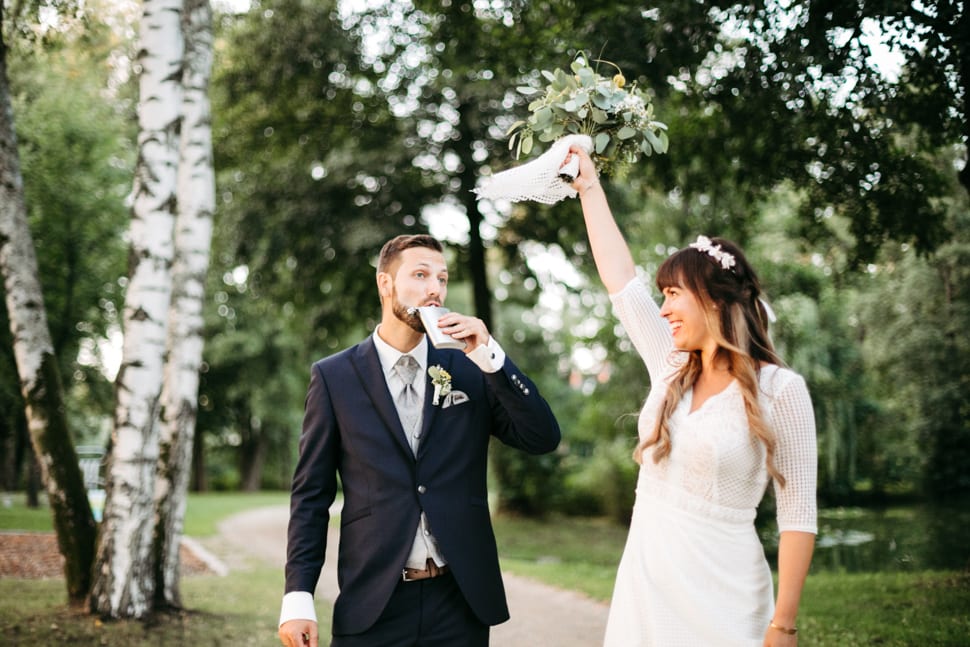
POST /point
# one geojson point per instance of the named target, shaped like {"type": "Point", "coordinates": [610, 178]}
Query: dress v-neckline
{"type": "Point", "coordinates": [690, 401]}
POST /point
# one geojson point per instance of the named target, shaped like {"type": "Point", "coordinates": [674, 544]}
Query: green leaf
{"type": "Point", "coordinates": [664, 141]}
{"type": "Point", "coordinates": [526, 90]}
{"type": "Point", "coordinates": [654, 141]}
{"type": "Point", "coordinates": [601, 101]}
{"type": "Point", "coordinates": [549, 76]}
{"type": "Point", "coordinates": [519, 124]}
{"type": "Point", "coordinates": [599, 116]}
{"type": "Point", "coordinates": [542, 118]}
{"type": "Point", "coordinates": [626, 132]}
{"type": "Point", "coordinates": [527, 145]}
{"type": "Point", "coordinates": [601, 142]}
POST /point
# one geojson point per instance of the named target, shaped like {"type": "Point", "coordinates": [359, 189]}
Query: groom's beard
{"type": "Point", "coordinates": [401, 312]}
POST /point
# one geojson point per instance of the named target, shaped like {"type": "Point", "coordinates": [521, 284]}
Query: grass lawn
{"type": "Point", "coordinates": [924, 609]}
{"type": "Point", "coordinates": [917, 609]}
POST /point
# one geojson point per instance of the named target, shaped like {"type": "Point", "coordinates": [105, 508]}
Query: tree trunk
{"type": "Point", "coordinates": [252, 456]}
{"type": "Point", "coordinates": [40, 381]}
{"type": "Point", "coordinates": [124, 575]}
{"type": "Point", "coordinates": [476, 246]}
{"type": "Point", "coordinates": [193, 234]}
{"type": "Point", "coordinates": [199, 481]}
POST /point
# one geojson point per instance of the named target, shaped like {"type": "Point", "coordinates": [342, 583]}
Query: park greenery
{"type": "Point", "coordinates": [828, 139]}
{"type": "Point", "coordinates": [893, 608]}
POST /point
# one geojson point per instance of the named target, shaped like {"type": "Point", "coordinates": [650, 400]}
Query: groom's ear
{"type": "Point", "coordinates": [385, 285]}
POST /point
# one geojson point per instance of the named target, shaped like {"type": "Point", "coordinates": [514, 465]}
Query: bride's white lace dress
{"type": "Point", "coordinates": [693, 572]}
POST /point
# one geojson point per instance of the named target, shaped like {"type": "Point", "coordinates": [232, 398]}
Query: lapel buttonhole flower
{"type": "Point", "coordinates": [441, 379]}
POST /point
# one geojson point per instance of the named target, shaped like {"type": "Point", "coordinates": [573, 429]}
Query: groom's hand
{"type": "Point", "coordinates": [470, 329]}
{"type": "Point", "coordinates": [299, 633]}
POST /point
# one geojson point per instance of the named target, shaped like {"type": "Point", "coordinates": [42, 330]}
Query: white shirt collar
{"type": "Point", "coordinates": [389, 355]}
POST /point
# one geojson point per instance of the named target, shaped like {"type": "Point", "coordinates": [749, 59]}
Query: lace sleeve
{"type": "Point", "coordinates": [650, 334]}
{"type": "Point", "coordinates": [796, 456]}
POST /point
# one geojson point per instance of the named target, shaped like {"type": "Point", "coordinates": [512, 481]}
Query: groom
{"type": "Point", "coordinates": [417, 564]}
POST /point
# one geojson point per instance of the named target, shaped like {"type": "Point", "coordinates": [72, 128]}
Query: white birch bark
{"type": "Point", "coordinates": [124, 573]}
{"type": "Point", "coordinates": [40, 382]}
{"type": "Point", "coordinates": [193, 235]}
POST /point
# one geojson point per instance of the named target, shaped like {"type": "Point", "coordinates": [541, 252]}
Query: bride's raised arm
{"type": "Point", "coordinates": [610, 251]}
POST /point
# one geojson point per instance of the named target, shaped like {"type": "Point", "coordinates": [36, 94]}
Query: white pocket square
{"type": "Point", "coordinates": [455, 397]}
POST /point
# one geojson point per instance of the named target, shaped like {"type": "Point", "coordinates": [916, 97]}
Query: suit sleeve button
{"type": "Point", "coordinates": [422, 489]}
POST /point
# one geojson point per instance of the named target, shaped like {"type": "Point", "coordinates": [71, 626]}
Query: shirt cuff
{"type": "Point", "coordinates": [489, 357]}
{"type": "Point", "coordinates": [297, 605]}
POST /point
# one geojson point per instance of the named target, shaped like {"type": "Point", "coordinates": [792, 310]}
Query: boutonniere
{"type": "Point", "coordinates": [441, 379]}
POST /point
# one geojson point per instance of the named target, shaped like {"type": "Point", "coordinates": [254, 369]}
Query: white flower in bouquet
{"type": "Point", "coordinates": [619, 119]}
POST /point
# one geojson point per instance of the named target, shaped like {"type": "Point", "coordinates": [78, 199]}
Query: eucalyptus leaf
{"type": "Point", "coordinates": [519, 124]}
{"type": "Point", "coordinates": [654, 141]}
{"type": "Point", "coordinates": [602, 102]}
{"type": "Point", "coordinates": [601, 141]}
{"type": "Point", "coordinates": [626, 132]}
{"type": "Point", "coordinates": [549, 76]}
{"type": "Point", "coordinates": [542, 118]}
{"type": "Point", "coordinates": [599, 116]}
{"type": "Point", "coordinates": [557, 130]}
{"type": "Point", "coordinates": [526, 90]}
{"type": "Point", "coordinates": [527, 145]}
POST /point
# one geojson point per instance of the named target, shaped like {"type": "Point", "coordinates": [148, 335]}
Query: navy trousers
{"type": "Point", "coordinates": [425, 613]}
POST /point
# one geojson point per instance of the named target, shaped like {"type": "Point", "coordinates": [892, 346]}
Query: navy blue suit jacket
{"type": "Point", "coordinates": [351, 427]}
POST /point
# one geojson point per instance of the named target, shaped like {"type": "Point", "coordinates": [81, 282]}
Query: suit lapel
{"type": "Point", "coordinates": [435, 357]}
{"type": "Point", "coordinates": [368, 367]}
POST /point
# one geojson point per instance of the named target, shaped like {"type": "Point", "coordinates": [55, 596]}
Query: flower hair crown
{"type": "Point", "coordinates": [725, 259]}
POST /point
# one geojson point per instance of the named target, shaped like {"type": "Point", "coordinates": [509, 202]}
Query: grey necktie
{"type": "Point", "coordinates": [408, 406]}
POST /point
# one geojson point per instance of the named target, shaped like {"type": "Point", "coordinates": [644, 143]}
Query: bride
{"type": "Point", "coordinates": [723, 418]}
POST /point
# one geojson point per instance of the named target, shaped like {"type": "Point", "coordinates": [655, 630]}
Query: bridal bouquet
{"type": "Point", "coordinates": [618, 118]}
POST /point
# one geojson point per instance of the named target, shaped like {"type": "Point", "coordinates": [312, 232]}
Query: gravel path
{"type": "Point", "coordinates": [542, 616]}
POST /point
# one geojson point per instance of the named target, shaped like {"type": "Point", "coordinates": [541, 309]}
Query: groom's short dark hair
{"type": "Point", "coordinates": [392, 249]}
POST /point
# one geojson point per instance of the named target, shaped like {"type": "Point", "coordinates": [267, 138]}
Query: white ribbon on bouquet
{"type": "Point", "coordinates": [540, 180]}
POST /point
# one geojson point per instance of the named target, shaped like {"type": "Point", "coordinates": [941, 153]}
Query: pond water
{"type": "Point", "coordinates": [903, 538]}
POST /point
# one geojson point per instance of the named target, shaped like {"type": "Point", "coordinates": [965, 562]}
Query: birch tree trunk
{"type": "Point", "coordinates": [124, 573]}
{"type": "Point", "coordinates": [40, 381]}
{"type": "Point", "coordinates": [193, 235]}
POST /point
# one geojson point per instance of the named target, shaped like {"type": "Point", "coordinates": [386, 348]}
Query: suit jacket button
{"type": "Point", "coordinates": [422, 489]}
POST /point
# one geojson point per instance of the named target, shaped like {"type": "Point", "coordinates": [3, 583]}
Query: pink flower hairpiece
{"type": "Point", "coordinates": [724, 259]}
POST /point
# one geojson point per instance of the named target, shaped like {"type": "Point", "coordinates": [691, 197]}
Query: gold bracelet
{"type": "Point", "coordinates": [589, 186]}
{"type": "Point", "coordinates": [785, 630]}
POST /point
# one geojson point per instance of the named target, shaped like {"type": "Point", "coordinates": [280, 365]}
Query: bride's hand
{"type": "Point", "coordinates": [586, 178]}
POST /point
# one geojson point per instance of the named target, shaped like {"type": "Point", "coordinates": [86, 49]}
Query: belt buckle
{"type": "Point", "coordinates": [405, 578]}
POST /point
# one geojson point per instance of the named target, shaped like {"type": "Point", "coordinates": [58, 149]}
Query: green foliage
{"type": "Point", "coordinates": [76, 164]}
{"type": "Point", "coordinates": [618, 119]}
{"type": "Point", "coordinates": [894, 609]}
{"type": "Point", "coordinates": [576, 553]}
{"type": "Point", "coordinates": [919, 354]}
{"type": "Point", "coordinates": [239, 609]}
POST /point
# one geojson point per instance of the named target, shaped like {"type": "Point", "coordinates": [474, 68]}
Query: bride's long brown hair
{"type": "Point", "coordinates": [738, 321]}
